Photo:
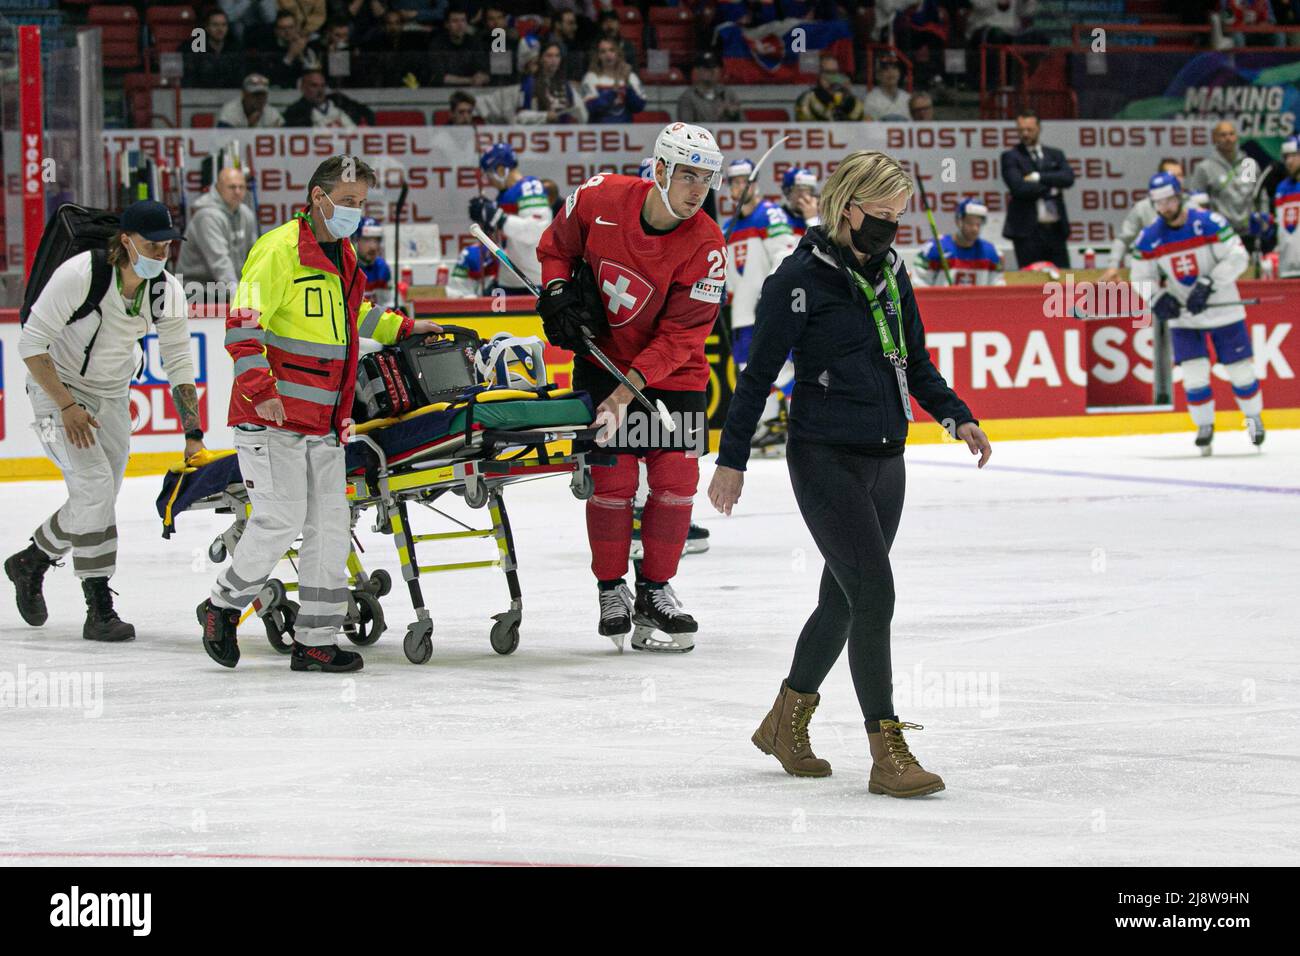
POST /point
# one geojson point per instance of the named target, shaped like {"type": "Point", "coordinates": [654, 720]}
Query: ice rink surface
{"type": "Point", "coordinates": [1099, 635]}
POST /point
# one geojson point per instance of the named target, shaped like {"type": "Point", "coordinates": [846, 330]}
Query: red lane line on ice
{"type": "Point", "coordinates": [288, 857]}
{"type": "Point", "coordinates": [1140, 479]}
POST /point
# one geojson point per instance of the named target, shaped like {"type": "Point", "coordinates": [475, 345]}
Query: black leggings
{"type": "Point", "coordinates": [851, 503]}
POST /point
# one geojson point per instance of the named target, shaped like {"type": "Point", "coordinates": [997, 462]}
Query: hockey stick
{"type": "Point", "coordinates": [397, 242]}
{"type": "Point", "coordinates": [749, 186]}
{"type": "Point", "coordinates": [658, 407]}
{"type": "Point", "coordinates": [934, 230]}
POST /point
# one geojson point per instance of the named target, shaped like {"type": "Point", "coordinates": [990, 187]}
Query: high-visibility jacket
{"type": "Point", "coordinates": [293, 328]}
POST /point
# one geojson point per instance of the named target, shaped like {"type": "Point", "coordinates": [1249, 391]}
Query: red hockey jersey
{"type": "Point", "coordinates": [661, 293]}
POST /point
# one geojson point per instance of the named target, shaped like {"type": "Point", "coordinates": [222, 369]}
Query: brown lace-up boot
{"type": "Point", "coordinates": [784, 734]}
{"type": "Point", "coordinates": [894, 770]}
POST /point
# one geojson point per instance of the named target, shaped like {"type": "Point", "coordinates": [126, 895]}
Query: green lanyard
{"type": "Point", "coordinates": [134, 308]}
{"type": "Point", "coordinates": [895, 353]}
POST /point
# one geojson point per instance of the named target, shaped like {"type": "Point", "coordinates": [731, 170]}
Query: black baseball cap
{"type": "Point", "coordinates": [150, 219]}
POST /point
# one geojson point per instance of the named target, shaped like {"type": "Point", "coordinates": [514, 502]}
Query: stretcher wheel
{"type": "Point", "coordinates": [279, 623]}
{"type": "Point", "coordinates": [418, 643]}
{"type": "Point", "coordinates": [582, 484]}
{"type": "Point", "coordinates": [504, 637]}
{"type": "Point", "coordinates": [476, 495]}
{"type": "Point", "coordinates": [370, 620]}
{"type": "Point", "coordinates": [217, 551]}
{"type": "Point", "coordinates": [381, 582]}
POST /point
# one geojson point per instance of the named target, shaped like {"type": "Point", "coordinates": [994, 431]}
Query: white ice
{"type": "Point", "coordinates": [1130, 642]}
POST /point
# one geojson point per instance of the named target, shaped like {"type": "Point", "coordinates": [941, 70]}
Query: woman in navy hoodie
{"type": "Point", "coordinates": [843, 302]}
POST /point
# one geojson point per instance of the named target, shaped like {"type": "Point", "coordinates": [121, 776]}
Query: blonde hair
{"type": "Point", "coordinates": [864, 176]}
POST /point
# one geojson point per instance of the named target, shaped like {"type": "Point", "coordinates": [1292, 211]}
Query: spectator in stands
{"type": "Point", "coordinates": [366, 16]}
{"type": "Point", "coordinates": [609, 27]}
{"type": "Point", "coordinates": [920, 106]}
{"type": "Point", "coordinates": [322, 109]}
{"type": "Point", "coordinates": [287, 53]}
{"type": "Point", "coordinates": [335, 52]}
{"type": "Point", "coordinates": [567, 32]}
{"type": "Point", "coordinates": [546, 96]}
{"type": "Point", "coordinates": [249, 17]}
{"type": "Point", "coordinates": [462, 108]}
{"type": "Point", "coordinates": [250, 110]}
{"type": "Point", "coordinates": [708, 101]}
{"type": "Point", "coordinates": [392, 53]}
{"type": "Point", "coordinates": [611, 90]}
{"type": "Point", "coordinates": [219, 62]}
{"type": "Point", "coordinates": [1036, 224]}
{"type": "Point", "coordinates": [1002, 21]}
{"type": "Point", "coordinates": [502, 40]}
{"type": "Point", "coordinates": [221, 230]}
{"type": "Point", "coordinates": [424, 13]}
{"type": "Point", "coordinates": [886, 101]}
{"type": "Point", "coordinates": [309, 15]}
{"type": "Point", "coordinates": [831, 99]}
{"type": "Point", "coordinates": [459, 57]}
{"type": "Point", "coordinates": [921, 32]}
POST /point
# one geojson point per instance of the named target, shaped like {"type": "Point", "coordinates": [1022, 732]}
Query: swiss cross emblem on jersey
{"type": "Point", "coordinates": [1183, 266]}
{"type": "Point", "coordinates": [623, 291]}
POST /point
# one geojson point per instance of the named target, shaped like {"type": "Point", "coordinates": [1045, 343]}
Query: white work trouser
{"type": "Point", "coordinates": [85, 524]}
{"type": "Point", "coordinates": [297, 486]}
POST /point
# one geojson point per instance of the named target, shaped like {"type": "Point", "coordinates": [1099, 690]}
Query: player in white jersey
{"type": "Point", "coordinates": [1286, 212]}
{"type": "Point", "coordinates": [1199, 256]}
{"type": "Point", "coordinates": [1140, 215]}
{"type": "Point", "coordinates": [970, 259]}
{"type": "Point", "coordinates": [759, 237]}
{"type": "Point", "coordinates": [520, 213]}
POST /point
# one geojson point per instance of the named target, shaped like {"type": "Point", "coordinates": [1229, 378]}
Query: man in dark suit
{"type": "Point", "coordinates": [1037, 223]}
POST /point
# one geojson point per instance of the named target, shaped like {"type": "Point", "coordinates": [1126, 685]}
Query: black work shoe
{"type": "Point", "coordinates": [102, 622]}
{"type": "Point", "coordinates": [219, 625]}
{"type": "Point", "coordinates": [26, 570]}
{"type": "Point", "coordinates": [330, 658]}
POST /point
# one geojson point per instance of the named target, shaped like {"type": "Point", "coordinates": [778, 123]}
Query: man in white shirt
{"type": "Point", "coordinates": [887, 101]}
{"type": "Point", "coordinates": [250, 109]}
{"type": "Point", "coordinates": [81, 356]}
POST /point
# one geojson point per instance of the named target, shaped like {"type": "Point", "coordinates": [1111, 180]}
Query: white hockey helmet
{"type": "Point", "coordinates": [681, 143]}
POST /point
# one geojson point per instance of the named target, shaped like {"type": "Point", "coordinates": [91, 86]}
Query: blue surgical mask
{"type": "Point", "coordinates": [145, 267]}
{"type": "Point", "coordinates": [344, 222]}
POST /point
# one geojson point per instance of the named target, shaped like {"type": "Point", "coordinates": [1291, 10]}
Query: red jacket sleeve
{"type": "Point", "coordinates": [688, 315]}
{"type": "Point", "coordinates": [565, 239]}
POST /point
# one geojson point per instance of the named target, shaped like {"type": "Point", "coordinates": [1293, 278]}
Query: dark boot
{"type": "Point", "coordinates": [26, 570]}
{"type": "Point", "coordinates": [219, 625]}
{"type": "Point", "coordinates": [330, 658]}
{"type": "Point", "coordinates": [102, 622]}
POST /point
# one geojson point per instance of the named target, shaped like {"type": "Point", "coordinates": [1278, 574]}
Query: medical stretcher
{"type": "Point", "coordinates": [472, 447]}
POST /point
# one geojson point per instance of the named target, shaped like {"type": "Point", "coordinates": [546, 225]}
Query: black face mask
{"type": "Point", "coordinates": [874, 236]}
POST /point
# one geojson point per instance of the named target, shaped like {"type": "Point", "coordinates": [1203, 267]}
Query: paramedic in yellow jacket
{"type": "Point", "coordinates": [292, 331]}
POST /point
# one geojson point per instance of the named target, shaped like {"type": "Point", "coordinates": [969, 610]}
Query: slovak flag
{"type": "Point", "coordinates": [770, 53]}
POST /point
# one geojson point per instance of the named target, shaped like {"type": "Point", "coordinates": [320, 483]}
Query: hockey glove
{"type": "Point", "coordinates": [486, 213]}
{"type": "Point", "coordinates": [560, 306]}
{"type": "Point", "coordinates": [1166, 307]}
{"type": "Point", "coordinates": [593, 306]}
{"type": "Point", "coordinates": [1199, 296]}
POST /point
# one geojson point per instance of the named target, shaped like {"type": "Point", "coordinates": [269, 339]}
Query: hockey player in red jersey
{"type": "Point", "coordinates": [657, 276]}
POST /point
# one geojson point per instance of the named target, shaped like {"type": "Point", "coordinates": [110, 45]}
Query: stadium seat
{"type": "Point", "coordinates": [169, 28]}
{"type": "Point", "coordinates": [203, 121]}
{"type": "Point", "coordinates": [632, 33]}
{"type": "Point", "coordinates": [670, 15]}
{"type": "Point", "coordinates": [678, 38]}
{"type": "Point", "coordinates": [402, 117]}
{"type": "Point", "coordinates": [629, 15]}
{"type": "Point", "coordinates": [775, 114]}
{"type": "Point", "coordinates": [119, 28]}
{"type": "Point", "coordinates": [660, 117]}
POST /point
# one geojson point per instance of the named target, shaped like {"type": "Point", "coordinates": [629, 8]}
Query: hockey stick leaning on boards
{"type": "Point", "coordinates": [658, 408]}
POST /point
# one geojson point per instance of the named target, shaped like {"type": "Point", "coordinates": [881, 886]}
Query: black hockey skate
{"type": "Point", "coordinates": [1205, 440]}
{"type": "Point", "coordinates": [771, 435]}
{"type": "Point", "coordinates": [658, 610]}
{"type": "Point", "coordinates": [26, 570]}
{"type": "Point", "coordinates": [102, 622]}
{"type": "Point", "coordinates": [615, 611]}
{"type": "Point", "coordinates": [1255, 429]}
{"type": "Point", "coordinates": [331, 659]}
{"type": "Point", "coordinates": [219, 639]}
{"type": "Point", "coordinates": [697, 538]}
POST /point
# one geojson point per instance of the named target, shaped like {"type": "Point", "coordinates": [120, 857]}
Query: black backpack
{"type": "Point", "coordinates": [71, 231]}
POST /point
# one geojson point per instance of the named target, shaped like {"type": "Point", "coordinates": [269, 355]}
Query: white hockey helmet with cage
{"type": "Point", "coordinates": [687, 145]}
